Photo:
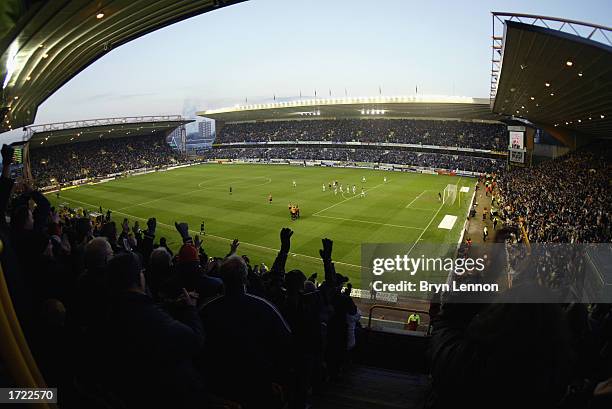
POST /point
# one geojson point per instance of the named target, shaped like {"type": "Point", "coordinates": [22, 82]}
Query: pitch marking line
{"type": "Point", "coordinates": [172, 228]}
{"type": "Point", "coordinates": [190, 192]}
{"type": "Point", "coordinates": [346, 200]}
{"type": "Point", "coordinates": [429, 224]}
{"type": "Point", "coordinates": [414, 200]}
{"type": "Point", "coordinates": [369, 222]}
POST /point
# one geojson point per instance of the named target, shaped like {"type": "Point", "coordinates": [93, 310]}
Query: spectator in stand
{"type": "Point", "coordinates": [246, 344]}
{"type": "Point", "coordinates": [427, 132]}
{"type": "Point", "coordinates": [64, 163]}
{"type": "Point", "coordinates": [566, 200]}
{"type": "Point", "coordinates": [125, 343]}
{"type": "Point", "coordinates": [376, 156]}
{"type": "Point", "coordinates": [149, 354]}
{"type": "Point", "coordinates": [471, 343]}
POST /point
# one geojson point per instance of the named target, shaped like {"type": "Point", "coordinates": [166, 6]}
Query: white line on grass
{"type": "Point", "coordinates": [346, 200]}
{"type": "Point", "coordinates": [414, 200]}
{"type": "Point", "coordinates": [212, 235]}
{"type": "Point", "coordinates": [429, 224]}
{"type": "Point", "coordinates": [190, 192]}
{"type": "Point", "coordinates": [369, 222]}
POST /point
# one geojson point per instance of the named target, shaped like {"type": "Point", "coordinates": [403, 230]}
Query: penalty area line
{"type": "Point", "coordinates": [429, 224]}
{"type": "Point", "coordinates": [369, 222]}
{"type": "Point", "coordinates": [415, 199]}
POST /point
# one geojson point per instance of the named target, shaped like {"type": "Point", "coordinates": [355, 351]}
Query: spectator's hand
{"type": "Point", "coordinates": [183, 229]}
{"type": "Point", "coordinates": [313, 277]}
{"type": "Point", "coordinates": [66, 243]}
{"type": "Point", "coordinates": [285, 236]}
{"type": "Point", "coordinates": [234, 246]}
{"type": "Point", "coordinates": [197, 241]}
{"type": "Point", "coordinates": [136, 227]}
{"type": "Point", "coordinates": [188, 298]}
{"type": "Point", "coordinates": [125, 225]}
{"type": "Point", "coordinates": [326, 251]}
{"type": "Point", "coordinates": [7, 154]}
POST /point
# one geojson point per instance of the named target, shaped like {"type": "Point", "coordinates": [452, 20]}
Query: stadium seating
{"type": "Point", "coordinates": [562, 201]}
{"type": "Point", "coordinates": [430, 160]}
{"type": "Point", "coordinates": [427, 132]}
{"type": "Point", "coordinates": [72, 161]}
{"type": "Point", "coordinates": [217, 331]}
{"type": "Point", "coordinates": [424, 134]}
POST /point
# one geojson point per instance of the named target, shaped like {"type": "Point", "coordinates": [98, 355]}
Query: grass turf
{"type": "Point", "coordinates": [405, 209]}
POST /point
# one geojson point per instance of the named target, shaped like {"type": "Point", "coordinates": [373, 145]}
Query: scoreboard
{"type": "Point", "coordinates": [516, 145]}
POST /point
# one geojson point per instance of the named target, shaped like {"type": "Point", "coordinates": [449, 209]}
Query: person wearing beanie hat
{"type": "Point", "coordinates": [188, 254]}
{"type": "Point", "coordinates": [190, 274]}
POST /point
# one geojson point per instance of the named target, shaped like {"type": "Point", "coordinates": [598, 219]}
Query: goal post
{"type": "Point", "coordinates": [450, 194]}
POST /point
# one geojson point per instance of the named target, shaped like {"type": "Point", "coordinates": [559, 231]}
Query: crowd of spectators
{"type": "Point", "coordinates": [399, 157]}
{"type": "Point", "coordinates": [97, 158]}
{"type": "Point", "coordinates": [566, 200]}
{"type": "Point", "coordinates": [475, 135]}
{"type": "Point", "coordinates": [115, 319]}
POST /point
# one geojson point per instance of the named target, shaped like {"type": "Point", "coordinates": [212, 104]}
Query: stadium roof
{"type": "Point", "coordinates": [553, 72]}
{"type": "Point", "coordinates": [361, 107]}
{"type": "Point", "coordinates": [87, 130]}
{"type": "Point", "coordinates": [49, 42]}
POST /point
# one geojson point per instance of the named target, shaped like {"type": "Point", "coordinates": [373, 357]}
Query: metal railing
{"type": "Point", "coordinates": [128, 120]}
{"type": "Point", "coordinates": [394, 308]}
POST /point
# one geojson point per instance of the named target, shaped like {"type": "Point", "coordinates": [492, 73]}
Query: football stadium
{"type": "Point", "coordinates": [314, 251]}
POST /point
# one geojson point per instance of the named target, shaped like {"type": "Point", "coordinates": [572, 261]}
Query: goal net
{"type": "Point", "coordinates": [450, 194]}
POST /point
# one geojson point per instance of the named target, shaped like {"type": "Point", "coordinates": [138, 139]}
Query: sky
{"type": "Point", "coordinates": [261, 48]}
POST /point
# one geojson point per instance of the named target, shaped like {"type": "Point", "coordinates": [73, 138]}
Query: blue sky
{"type": "Point", "coordinates": [264, 47]}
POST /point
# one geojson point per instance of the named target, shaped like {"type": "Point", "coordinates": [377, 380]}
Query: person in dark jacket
{"type": "Point", "coordinates": [149, 354]}
{"type": "Point", "coordinates": [247, 341]}
{"type": "Point", "coordinates": [502, 355]}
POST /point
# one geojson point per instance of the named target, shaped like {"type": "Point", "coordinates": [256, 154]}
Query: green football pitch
{"type": "Point", "coordinates": [404, 209]}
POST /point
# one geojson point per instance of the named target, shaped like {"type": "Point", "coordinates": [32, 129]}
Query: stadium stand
{"type": "Point", "coordinates": [563, 201]}
{"type": "Point", "coordinates": [376, 156]}
{"type": "Point", "coordinates": [59, 164]}
{"type": "Point", "coordinates": [443, 136]}
{"type": "Point", "coordinates": [114, 319]}
{"type": "Point", "coordinates": [427, 132]}
{"type": "Point", "coordinates": [77, 283]}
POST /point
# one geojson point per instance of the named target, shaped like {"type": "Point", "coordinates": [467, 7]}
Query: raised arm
{"type": "Point", "coordinates": [146, 239]}
{"type": "Point", "coordinates": [281, 259]}
{"type": "Point", "coordinates": [328, 265]}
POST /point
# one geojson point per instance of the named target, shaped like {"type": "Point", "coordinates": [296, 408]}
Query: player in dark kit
{"type": "Point", "coordinates": [230, 190]}
{"type": "Point", "coordinates": [270, 198]}
{"type": "Point", "coordinates": [202, 229]}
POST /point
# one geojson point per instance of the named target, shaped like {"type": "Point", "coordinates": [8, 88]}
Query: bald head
{"type": "Point", "coordinates": [97, 252]}
{"type": "Point", "coordinates": [160, 258]}
{"type": "Point", "coordinates": [233, 272]}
